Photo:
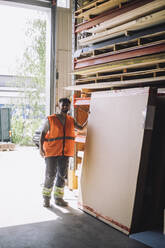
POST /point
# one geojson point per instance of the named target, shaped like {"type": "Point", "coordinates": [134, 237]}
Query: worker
{"type": "Point", "coordinates": [57, 145]}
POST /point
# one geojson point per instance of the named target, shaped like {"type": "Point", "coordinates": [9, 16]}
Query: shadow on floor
{"type": "Point", "coordinates": [71, 229]}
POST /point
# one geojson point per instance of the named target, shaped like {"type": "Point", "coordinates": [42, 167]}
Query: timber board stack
{"type": "Point", "coordinates": [7, 146]}
{"type": "Point", "coordinates": [120, 43]}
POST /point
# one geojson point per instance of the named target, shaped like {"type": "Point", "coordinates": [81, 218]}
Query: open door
{"type": "Point", "coordinates": [152, 214]}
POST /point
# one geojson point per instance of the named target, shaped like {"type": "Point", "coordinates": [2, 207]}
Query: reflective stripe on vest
{"type": "Point", "coordinates": [60, 138]}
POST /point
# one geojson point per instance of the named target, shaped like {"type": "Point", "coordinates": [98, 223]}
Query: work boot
{"type": "Point", "coordinates": [46, 203]}
{"type": "Point", "coordinates": [61, 202]}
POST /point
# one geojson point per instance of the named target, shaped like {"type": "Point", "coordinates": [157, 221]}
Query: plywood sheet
{"type": "Point", "coordinates": [112, 155]}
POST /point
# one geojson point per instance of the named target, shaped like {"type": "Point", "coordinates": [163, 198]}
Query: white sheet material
{"type": "Point", "coordinates": [112, 154]}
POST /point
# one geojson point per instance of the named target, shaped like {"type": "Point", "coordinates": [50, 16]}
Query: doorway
{"type": "Point", "coordinates": [154, 199]}
{"type": "Point", "coordinates": [25, 67]}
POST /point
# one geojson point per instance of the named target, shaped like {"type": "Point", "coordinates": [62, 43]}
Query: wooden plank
{"type": "Point", "coordinates": [82, 101]}
{"type": "Point", "coordinates": [80, 139]}
{"type": "Point", "coordinates": [122, 46]}
{"type": "Point", "coordinates": [97, 8]}
{"type": "Point", "coordinates": [87, 6]}
{"type": "Point", "coordinates": [139, 51]}
{"type": "Point", "coordinates": [108, 85]}
{"type": "Point", "coordinates": [119, 48]}
{"type": "Point", "coordinates": [148, 32]}
{"type": "Point", "coordinates": [141, 23]}
{"type": "Point", "coordinates": [110, 14]}
{"type": "Point", "coordinates": [130, 63]}
{"type": "Point", "coordinates": [72, 180]}
{"type": "Point", "coordinates": [124, 74]}
{"type": "Point", "coordinates": [4, 146]}
{"type": "Point", "coordinates": [146, 9]}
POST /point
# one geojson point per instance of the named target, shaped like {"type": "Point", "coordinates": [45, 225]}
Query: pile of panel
{"type": "Point", "coordinates": [120, 43]}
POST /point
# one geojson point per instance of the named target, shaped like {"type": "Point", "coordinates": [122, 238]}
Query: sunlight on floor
{"type": "Point", "coordinates": [21, 180]}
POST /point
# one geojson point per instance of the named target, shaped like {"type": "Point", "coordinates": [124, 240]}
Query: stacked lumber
{"type": "Point", "coordinates": [120, 45]}
{"type": "Point", "coordinates": [96, 7]}
{"type": "Point", "coordinates": [108, 15]}
{"type": "Point", "coordinates": [4, 146]}
{"type": "Point", "coordinates": [140, 23]}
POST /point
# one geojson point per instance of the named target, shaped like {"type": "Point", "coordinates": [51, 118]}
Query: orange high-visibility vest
{"type": "Point", "coordinates": [59, 140]}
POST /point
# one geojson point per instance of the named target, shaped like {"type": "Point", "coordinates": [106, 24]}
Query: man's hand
{"type": "Point", "coordinates": [82, 132]}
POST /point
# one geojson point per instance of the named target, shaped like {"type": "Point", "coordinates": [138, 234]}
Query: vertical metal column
{"type": "Point", "coordinates": [1, 121]}
{"type": "Point", "coordinates": [53, 58]}
{"type": "Point", "coordinates": [72, 5]}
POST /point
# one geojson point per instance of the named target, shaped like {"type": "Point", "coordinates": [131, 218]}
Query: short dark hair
{"type": "Point", "coordinates": [64, 100]}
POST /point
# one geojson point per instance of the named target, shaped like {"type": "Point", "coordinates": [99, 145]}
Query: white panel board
{"type": "Point", "coordinates": [112, 155]}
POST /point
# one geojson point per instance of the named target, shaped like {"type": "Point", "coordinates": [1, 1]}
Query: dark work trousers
{"type": "Point", "coordinates": [56, 170]}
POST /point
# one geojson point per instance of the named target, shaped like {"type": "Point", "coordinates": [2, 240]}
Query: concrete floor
{"type": "Point", "coordinates": [24, 223]}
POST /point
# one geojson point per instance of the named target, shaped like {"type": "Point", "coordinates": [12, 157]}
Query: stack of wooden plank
{"type": "Point", "coordinates": [120, 45]}
{"type": "Point", "coordinates": [96, 7]}
{"type": "Point", "coordinates": [7, 146]}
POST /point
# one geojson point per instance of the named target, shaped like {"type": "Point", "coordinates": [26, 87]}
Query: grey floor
{"type": "Point", "coordinates": [71, 230]}
{"type": "Point", "coordinates": [153, 238]}
{"type": "Point", "coordinates": [24, 223]}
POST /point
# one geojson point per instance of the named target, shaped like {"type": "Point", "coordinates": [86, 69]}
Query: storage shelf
{"type": "Point", "coordinates": [82, 101]}
{"type": "Point", "coordinates": [80, 139]}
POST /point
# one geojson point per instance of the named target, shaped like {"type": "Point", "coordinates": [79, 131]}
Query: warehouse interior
{"type": "Point", "coordinates": [108, 57]}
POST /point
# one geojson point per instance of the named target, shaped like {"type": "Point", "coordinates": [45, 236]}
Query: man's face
{"type": "Point", "coordinates": [64, 107]}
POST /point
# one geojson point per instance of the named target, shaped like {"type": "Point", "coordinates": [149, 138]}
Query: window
{"type": "Point", "coordinates": [63, 3]}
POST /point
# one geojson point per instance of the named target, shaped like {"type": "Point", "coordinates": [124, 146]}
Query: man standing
{"type": "Point", "coordinates": [57, 145]}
